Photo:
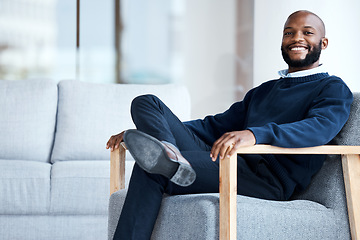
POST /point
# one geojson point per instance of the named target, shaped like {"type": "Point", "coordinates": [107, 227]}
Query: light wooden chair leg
{"type": "Point", "coordinates": [228, 193]}
{"type": "Point", "coordinates": [117, 169]}
{"type": "Point", "coordinates": [351, 170]}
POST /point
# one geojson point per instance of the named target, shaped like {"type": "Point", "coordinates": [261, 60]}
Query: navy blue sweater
{"type": "Point", "coordinates": [288, 112]}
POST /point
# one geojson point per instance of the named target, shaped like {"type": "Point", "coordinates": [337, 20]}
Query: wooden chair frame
{"type": "Point", "coordinates": [228, 181]}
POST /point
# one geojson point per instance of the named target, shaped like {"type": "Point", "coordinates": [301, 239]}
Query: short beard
{"type": "Point", "coordinates": [310, 58]}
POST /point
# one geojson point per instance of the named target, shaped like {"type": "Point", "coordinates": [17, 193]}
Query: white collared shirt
{"type": "Point", "coordinates": [319, 69]}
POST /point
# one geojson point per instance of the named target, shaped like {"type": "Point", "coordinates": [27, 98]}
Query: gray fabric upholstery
{"type": "Point", "coordinates": [80, 187]}
{"type": "Point", "coordinates": [327, 188]}
{"type": "Point", "coordinates": [53, 227]}
{"type": "Point", "coordinates": [27, 119]}
{"type": "Point", "coordinates": [350, 134]}
{"type": "Point", "coordinates": [24, 187]}
{"type": "Point", "coordinates": [320, 212]}
{"type": "Point", "coordinates": [261, 219]}
{"type": "Point", "coordinates": [88, 114]}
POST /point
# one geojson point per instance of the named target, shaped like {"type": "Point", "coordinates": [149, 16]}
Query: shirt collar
{"type": "Point", "coordinates": [284, 73]}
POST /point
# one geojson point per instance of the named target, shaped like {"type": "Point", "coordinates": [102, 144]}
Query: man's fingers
{"type": "Point", "coordinates": [222, 146]}
{"type": "Point", "coordinates": [234, 148]}
{"type": "Point", "coordinates": [228, 143]}
{"type": "Point", "coordinates": [114, 141]}
{"type": "Point", "coordinates": [108, 145]}
{"type": "Point", "coordinates": [230, 147]}
{"type": "Point", "coordinates": [216, 149]}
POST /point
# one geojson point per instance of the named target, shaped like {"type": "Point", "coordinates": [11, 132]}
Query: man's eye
{"type": "Point", "coordinates": [287, 33]}
{"type": "Point", "coordinates": [309, 33]}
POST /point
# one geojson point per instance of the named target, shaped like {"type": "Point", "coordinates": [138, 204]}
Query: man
{"type": "Point", "coordinates": [305, 107]}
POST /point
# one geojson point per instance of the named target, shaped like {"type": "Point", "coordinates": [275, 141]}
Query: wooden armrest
{"type": "Point", "coordinates": [325, 149]}
{"type": "Point", "coordinates": [117, 169]}
{"type": "Point", "coordinates": [228, 182]}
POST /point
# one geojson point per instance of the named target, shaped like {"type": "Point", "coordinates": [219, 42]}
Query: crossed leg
{"type": "Point", "coordinates": [145, 191]}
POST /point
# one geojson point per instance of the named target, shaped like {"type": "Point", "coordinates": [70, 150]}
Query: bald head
{"type": "Point", "coordinates": [315, 20]}
{"type": "Point", "coordinates": [303, 40]}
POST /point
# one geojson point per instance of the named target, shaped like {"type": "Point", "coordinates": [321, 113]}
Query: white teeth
{"type": "Point", "coordinates": [297, 48]}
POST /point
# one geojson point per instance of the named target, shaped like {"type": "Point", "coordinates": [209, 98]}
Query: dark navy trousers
{"type": "Point", "coordinates": [145, 192]}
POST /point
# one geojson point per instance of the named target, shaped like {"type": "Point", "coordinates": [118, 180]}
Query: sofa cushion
{"type": "Point", "coordinates": [88, 114]}
{"type": "Point", "coordinates": [82, 187]}
{"type": "Point", "coordinates": [292, 220]}
{"type": "Point", "coordinates": [27, 119]}
{"type": "Point", "coordinates": [53, 227]}
{"type": "Point", "coordinates": [196, 216]}
{"type": "Point", "coordinates": [24, 187]}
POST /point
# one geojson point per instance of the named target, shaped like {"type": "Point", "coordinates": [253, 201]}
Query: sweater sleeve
{"type": "Point", "coordinates": [211, 128]}
{"type": "Point", "coordinates": [329, 112]}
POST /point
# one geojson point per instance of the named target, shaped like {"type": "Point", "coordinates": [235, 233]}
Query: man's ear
{"type": "Point", "coordinates": [324, 43]}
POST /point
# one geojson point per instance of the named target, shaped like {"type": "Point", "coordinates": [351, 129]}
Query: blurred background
{"type": "Point", "coordinates": [219, 49]}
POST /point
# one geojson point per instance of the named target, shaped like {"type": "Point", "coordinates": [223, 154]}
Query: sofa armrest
{"type": "Point", "coordinates": [228, 182]}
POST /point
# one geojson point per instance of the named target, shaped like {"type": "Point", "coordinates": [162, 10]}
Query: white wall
{"type": "Point", "coordinates": [342, 20]}
{"type": "Point", "coordinates": [209, 55]}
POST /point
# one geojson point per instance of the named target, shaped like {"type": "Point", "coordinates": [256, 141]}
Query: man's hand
{"type": "Point", "coordinates": [228, 143]}
{"type": "Point", "coordinates": [114, 141]}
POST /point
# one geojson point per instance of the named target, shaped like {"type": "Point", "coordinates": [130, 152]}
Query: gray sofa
{"type": "Point", "coordinates": [320, 212]}
{"type": "Point", "coordinates": [54, 168]}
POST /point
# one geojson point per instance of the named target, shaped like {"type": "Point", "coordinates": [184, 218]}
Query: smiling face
{"type": "Point", "coordinates": [303, 40]}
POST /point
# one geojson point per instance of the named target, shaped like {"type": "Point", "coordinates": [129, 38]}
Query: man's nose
{"type": "Point", "coordinates": [298, 36]}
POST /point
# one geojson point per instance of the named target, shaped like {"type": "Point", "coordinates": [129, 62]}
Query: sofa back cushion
{"type": "Point", "coordinates": [89, 113]}
{"type": "Point", "coordinates": [27, 119]}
